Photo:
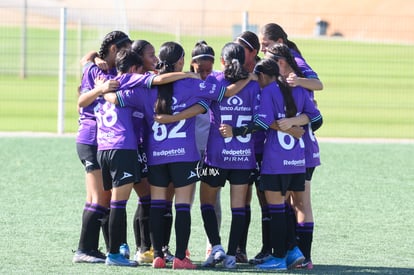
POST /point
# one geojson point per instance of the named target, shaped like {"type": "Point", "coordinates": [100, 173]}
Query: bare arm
{"type": "Point", "coordinates": [287, 123]}
{"type": "Point", "coordinates": [93, 57]}
{"type": "Point", "coordinates": [111, 98]}
{"type": "Point", "coordinates": [171, 77]}
{"type": "Point", "coordinates": [313, 84]}
{"type": "Point", "coordinates": [87, 98]}
{"type": "Point", "coordinates": [192, 111]}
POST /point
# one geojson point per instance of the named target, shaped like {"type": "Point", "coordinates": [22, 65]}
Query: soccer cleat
{"type": "Point", "coordinates": [93, 257]}
{"type": "Point", "coordinates": [119, 260]}
{"type": "Point", "coordinates": [230, 262]}
{"type": "Point", "coordinates": [294, 257]}
{"type": "Point", "coordinates": [273, 263]}
{"type": "Point", "coordinates": [158, 263]}
{"type": "Point", "coordinates": [183, 264]}
{"type": "Point", "coordinates": [145, 257]}
{"type": "Point", "coordinates": [216, 256]}
{"type": "Point", "coordinates": [241, 257]}
{"type": "Point", "coordinates": [124, 250]}
{"type": "Point", "coordinates": [260, 258]}
{"type": "Point", "coordinates": [307, 264]}
{"type": "Point", "coordinates": [169, 257]}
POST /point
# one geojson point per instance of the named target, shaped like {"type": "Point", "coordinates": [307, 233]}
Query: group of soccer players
{"type": "Point", "coordinates": [146, 125]}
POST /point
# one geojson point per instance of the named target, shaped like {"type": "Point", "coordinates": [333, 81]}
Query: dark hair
{"type": "Point", "coordinates": [138, 46]}
{"type": "Point", "coordinates": [280, 50]}
{"type": "Point", "coordinates": [249, 40]}
{"type": "Point", "coordinates": [233, 56]}
{"type": "Point", "coordinates": [170, 54]}
{"type": "Point", "coordinates": [119, 38]}
{"type": "Point", "coordinates": [125, 59]}
{"type": "Point", "coordinates": [274, 32]}
{"type": "Point", "coordinates": [270, 67]}
{"type": "Point", "coordinates": [201, 51]}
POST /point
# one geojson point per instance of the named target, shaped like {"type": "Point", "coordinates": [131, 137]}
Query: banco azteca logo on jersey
{"type": "Point", "coordinates": [235, 101]}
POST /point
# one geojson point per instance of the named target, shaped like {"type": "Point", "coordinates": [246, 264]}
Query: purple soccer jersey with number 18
{"type": "Point", "coordinates": [172, 142]}
{"type": "Point", "coordinates": [238, 110]}
{"type": "Point", "coordinates": [115, 125]}
{"type": "Point", "coordinates": [283, 154]}
{"type": "Point", "coordinates": [87, 122]}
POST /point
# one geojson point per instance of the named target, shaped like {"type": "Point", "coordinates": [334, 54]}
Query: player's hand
{"type": "Point", "coordinates": [101, 64]}
{"type": "Point", "coordinates": [284, 124]}
{"type": "Point", "coordinates": [164, 118]}
{"type": "Point", "coordinates": [292, 80]}
{"type": "Point", "coordinates": [226, 130]}
{"type": "Point", "coordinates": [296, 131]}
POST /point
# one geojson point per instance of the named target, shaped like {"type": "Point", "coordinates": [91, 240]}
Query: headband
{"type": "Point", "coordinates": [201, 56]}
{"type": "Point", "coordinates": [246, 42]}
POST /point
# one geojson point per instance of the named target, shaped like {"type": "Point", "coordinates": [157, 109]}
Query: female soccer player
{"type": "Point", "coordinates": [233, 159]}
{"type": "Point", "coordinates": [251, 45]}
{"type": "Point", "coordinates": [286, 172]}
{"type": "Point", "coordinates": [270, 34]}
{"type": "Point", "coordinates": [202, 62]}
{"type": "Point", "coordinates": [96, 206]}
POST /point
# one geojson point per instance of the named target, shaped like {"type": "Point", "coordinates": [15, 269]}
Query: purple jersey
{"type": "Point", "coordinates": [307, 71]}
{"type": "Point", "coordinates": [87, 123]}
{"type": "Point", "coordinates": [312, 158]}
{"type": "Point", "coordinates": [238, 110]}
{"type": "Point", "coordinates": [115, 125]}
{"type": "Point", "coordinates": [283, 154]}
{"type": "Point", "coordinates": [173, 142]}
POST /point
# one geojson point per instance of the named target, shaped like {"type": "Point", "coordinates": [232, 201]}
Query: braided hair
{"type": "Point", "coordinates": [170, 54]}
{"type": "Point", "coordinates": [270, 67]}
{"type": "Point", "coordinates": [119, 38]}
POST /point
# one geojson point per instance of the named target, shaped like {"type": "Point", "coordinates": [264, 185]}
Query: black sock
{"type": "Point", "coordinates": [137, 229]}
{"type": "Point", "coordinates": [182, 228]}
{"type": "Point", "coordinates": [210, 223]}
{"type": "Point", "coordinates": [144, 222]}
{"type": "Point", "coordinates": [91, 224]}
{"type": "Point", "coordinates": [157, 226]}
{"type": "Point", "coordinates": [105, 227]}
{"type": "Point", "coordinates": [243, 238]}
{"type": "Point", "coordinates": [291, 227]}
{"type": "Point", "coordinates": [304, 232]}
{"type": "Point", "coordinates": [266, 247]}
{"type": "Point", "coordinates": [238, 220]}
{"type": "Point", "coordinates": [168, 217]}
{"type": "Point", "coordinates": [117, 225]}
{"type": "Point", "coordinates": [278, 229]}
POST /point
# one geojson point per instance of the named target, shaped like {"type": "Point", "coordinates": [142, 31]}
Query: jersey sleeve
{"type": "Point", "coordinates": [129, 81]}
{"type": "Point", "coordinates": [265, 114]}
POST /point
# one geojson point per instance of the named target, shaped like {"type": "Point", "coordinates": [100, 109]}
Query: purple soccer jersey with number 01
{"type": "Point", "coordinates": [283, 154]}
{"type": "Point", "coordinates": [238, 110]}
{"type": "Point", "coordinates": [172, 142]}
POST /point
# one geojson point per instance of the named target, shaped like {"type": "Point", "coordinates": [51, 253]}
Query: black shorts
{"type": "Point", "coordinates": [216, 177]}
{"type": "Point", "coordinates": [255, 174]}
{"type": "Point", "coordinates": [309, 173]}
{"type": "Point", "coordinates": [179, 173]}
{"type": "Point", "coordinates": [283, 183]}
{"type": "Point", "coordinates": [87, 155]}
{"type": "Point", "coordinates": [142, 159]}
{"type": "Point", "coordinates": [119, 167]}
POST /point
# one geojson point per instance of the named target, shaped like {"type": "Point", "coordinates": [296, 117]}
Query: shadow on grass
{"type": "Point", "coordinates": [317, 269]}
